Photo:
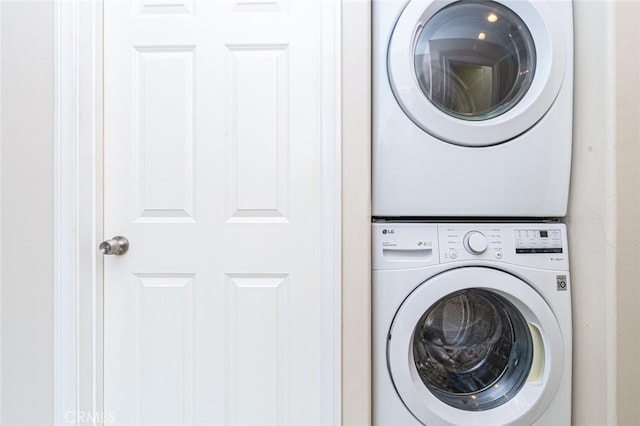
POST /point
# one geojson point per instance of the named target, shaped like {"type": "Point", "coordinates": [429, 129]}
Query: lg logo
{"type": "Point", "coordinates": [388, 231]}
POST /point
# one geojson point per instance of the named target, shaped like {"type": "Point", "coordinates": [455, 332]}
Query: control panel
{"type": "Point", "coordinates": [471, 242]}
{"type": "Point", "coordinates": [409, 245]}
{"type": "Point", "coordinates": [534, 241]}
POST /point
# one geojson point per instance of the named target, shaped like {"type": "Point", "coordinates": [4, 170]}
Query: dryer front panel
{"type": "Point", "coordinates": [476, 73]}
{"type": "Point", "coordinates": [475, 345]}
{"type": "Point", "coordinates": [499, 145]}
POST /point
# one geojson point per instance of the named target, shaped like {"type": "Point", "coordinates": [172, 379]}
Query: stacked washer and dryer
{"type": "Point", "coordinates": [472, 130]}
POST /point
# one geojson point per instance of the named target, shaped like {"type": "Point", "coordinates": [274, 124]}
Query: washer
{"type": "Point", "coordinates": [471, 324]}
{"type": "Point", "coordinates": [472, 108]}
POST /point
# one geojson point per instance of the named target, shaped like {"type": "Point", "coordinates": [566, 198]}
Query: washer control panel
{"type": "Point", "coordinates": [541, 245]}
{"type": "Point", "coordinates": [400, 245]}
{"type": "Point", "coordinates": [533, 241]}
{"type": "Point", "coordinates": [469, 242]}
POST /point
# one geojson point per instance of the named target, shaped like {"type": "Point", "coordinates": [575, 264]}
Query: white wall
{"type": "Point", "coordinates": [627, 39]}
{"type": "Point", "coordinates": [591, 217]}
{"type": "Point", "coordinates": [356, 216]}
{"type": "Point", "coordinates": [26, 153]}
{"type": "Point", "coordinates": [604, 215]}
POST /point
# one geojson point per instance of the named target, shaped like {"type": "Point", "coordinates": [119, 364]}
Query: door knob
{"type": "Point", "coordinates": [117, 245]}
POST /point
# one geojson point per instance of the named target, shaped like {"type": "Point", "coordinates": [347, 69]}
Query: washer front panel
{"type": "Point", "coordinates": [548, 352]}
{"type": "Point", "coordinates": [497, 126]}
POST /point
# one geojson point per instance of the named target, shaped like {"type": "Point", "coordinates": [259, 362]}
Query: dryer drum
{"type": "Point", "coordinates": [473, 349]}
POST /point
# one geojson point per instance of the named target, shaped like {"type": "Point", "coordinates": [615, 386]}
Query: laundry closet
{"type": "Point", "coordinates": [471, 160]}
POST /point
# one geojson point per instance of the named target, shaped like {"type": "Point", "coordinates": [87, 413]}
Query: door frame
{"type": "Point", "coordinates": [78, 198]}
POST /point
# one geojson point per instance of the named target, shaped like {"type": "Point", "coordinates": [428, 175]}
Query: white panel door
{"type": "Point", "coordinates": [212, 166]}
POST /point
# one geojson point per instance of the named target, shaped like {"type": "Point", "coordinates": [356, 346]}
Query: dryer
{"type": "Point", "coordinates": [472, 108]}
{"type": "Point", "coordinates": [471, 324]}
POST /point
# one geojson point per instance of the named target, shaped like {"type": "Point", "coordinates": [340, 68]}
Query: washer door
{"type": "Point", "coordinates": [476, 73]}
{"type": "Point", "coordinates": [475, 345]}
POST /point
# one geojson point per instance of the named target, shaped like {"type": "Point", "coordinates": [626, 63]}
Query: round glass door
{"type": "Point", "coordinates": [475, 60]}
{"type": "Point", "coordinates": [473, 350]}
{"type": "Point", "coordinates": [476, 73]}
{"type": "Point", "coordinates": [475, 345]}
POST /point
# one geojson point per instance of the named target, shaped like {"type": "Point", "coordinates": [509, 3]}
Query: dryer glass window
{"type": "Point", "coordinates": [475, 60]}
{"type": "Point", "coordinates": [473, 349]}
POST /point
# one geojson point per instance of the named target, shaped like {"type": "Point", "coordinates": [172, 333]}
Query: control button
{"type": "Point", "coordinates": [453, 254]}
{"type": "Point", "coordinates": [498, 255]}
{"type": "Point", "coordinates": [475, 242]}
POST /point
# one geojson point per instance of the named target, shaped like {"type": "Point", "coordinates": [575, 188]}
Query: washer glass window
{"type": "Point", "coordinates": [475, 60]}
{"type": "Point", "coordinates": [473, 349]}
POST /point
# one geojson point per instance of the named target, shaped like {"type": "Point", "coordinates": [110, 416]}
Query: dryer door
{"type": "Point", "coordinates": [475, 345]}
{"type": "Point", "coordinates": [476, 73]}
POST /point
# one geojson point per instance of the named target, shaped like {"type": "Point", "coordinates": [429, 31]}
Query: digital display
{"type": "Point", "coordinates": [536, 241]}
{"type": "Point", "coordinates": [538, 250]}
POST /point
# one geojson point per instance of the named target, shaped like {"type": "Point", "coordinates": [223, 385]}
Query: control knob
{"type": "Point", "coordinates": [475, 242]}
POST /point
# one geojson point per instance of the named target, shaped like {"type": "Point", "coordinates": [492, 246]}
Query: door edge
{"type": "Point", "coordinates": [77, 203]}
